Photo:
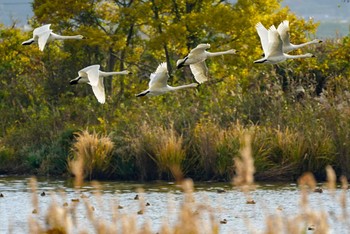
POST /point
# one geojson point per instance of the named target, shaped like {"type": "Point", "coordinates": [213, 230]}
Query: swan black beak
{"type": "Point", "coordinates": [75, 81]}
{"type": "Point", "coordinates": [261, 61]}
{"type": "Point", "coordinates": [142, 94]}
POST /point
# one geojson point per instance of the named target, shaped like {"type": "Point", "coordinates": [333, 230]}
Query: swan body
{"type": "Point", "coordinates": [44, 34]}
{"type": "Point", "coordinates": [196, 60]}
{"type": "Point", "coordinates": [94, 77]}
{"type": "Point", "coordinates": [272, 45]}
{"type": "Point", "coordinates": [283, 30]}
{"type": "Point", "coordinates": [158, 83]}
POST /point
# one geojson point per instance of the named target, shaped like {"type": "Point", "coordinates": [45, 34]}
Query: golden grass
{"type": "Point", "coordinates": [244, 166]}
{"type": "Point", "coordinates": [169, 151]}
{"type": "Point", "coordinates": [164, 146]}
{"type": "Point", "coordinates": [92, 155]}
{"type": "Point", "coordinates": [61, 219]}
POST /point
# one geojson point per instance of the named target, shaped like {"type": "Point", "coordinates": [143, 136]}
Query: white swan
{"type": "Point", "coordinates": [196, 59]}
{"type": "Point", "coordinates": [272, 45]}
{"type": "Point", "coordinates": [94, 77]}
{"type": "Point", "coordinates": [283, 30]}
{"type": "Point", "coordinates": [44, 34]}
{"type": "Point", "coordinates": [158, 83]}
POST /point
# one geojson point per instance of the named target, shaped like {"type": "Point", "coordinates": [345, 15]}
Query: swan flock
{"type": "Point", "coordinates": [275, 43]}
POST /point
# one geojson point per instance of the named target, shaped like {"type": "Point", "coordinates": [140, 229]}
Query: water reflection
{"type": "Point", "coordinates": [164, 199]}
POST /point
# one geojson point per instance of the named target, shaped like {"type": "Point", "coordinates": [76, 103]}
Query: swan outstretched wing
{"type": "Point", "coordinates": [198, 54]}
{"type": "Point", "coordinates": [43, 37]}
{"type": "Point", "coordinates": [160, 77]}
{"type": "Point", "coordinates": [200, 71]}
{"type": "Point", "coordinates": [283, 30]}
{"type": "Point", "coordinates": [99, 91]}
{"type": "Point", "coordinates": [275, 42]}
{"type": "Point", "coordinates": [42, 29]}
{"type": "Point", "coordinates": [199, 49]}
{"type": "Point", "coordinates": [92, 73]}
{"type": "Point", "coordinates": [263, 34]}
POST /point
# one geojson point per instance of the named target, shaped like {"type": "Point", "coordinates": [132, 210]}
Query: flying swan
{"type": "Point", "coordinates": [196, 59]}
{"type": "Point", "coordinates": [283, 30]}
{"type": "Point", "coordinates": [44, 34]}
{"type": "Point", "coordinates": [94, 77]}
{"type": "Point", "coordinates": [158, 83]}
{"type": "Point", "coordinates": [272, 45]}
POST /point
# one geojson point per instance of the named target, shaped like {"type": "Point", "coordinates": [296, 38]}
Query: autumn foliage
{"type": "Point", "coordinates": [291, 132]}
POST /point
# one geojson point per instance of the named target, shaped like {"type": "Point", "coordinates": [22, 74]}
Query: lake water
{"type": "Point", "coordinates": [165, 199]}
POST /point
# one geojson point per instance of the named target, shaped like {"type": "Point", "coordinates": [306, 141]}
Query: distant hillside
{"type": "Point", "coordinates": [333, 15]}
{"type": "Point", "coordinates": [320, 9]}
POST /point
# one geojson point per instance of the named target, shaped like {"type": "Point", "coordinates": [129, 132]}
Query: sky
{"type": "Point", "coordinates": [333, 15]}
{"type": "Point", "coordinates": [18, 10]}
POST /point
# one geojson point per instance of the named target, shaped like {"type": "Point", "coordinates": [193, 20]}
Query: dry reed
{"type": "Point", "coordinates": [164, 146]}
{"type": "Point", "coordinates": [190, 215]}
{"type": "Point", "coordinates": [92, 155]}
{"type": "Point", "coordinates": [244, 166]}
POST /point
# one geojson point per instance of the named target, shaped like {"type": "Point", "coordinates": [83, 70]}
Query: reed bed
{"type": "Point", "coordinates": [92, 155]}
{"type": "Point", "coordinates": [193, 216]}
{"type": "Point", "coordinates": [164, 146]}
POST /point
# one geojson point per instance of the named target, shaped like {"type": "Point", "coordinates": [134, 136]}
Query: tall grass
{"type": "Point", "coordinates": [206, 136]}
{"type": "Point", "coordinates": [198, 216]}
{"type": "Point", "coordinates": [164, 146]}
{"type": "Point", "coordinates": [92, 152]}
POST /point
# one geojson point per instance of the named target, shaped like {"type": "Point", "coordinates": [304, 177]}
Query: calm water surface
{"type": "Point", "coordinates": [165, 200]}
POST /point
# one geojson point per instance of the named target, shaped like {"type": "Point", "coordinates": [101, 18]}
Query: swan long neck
{"type": "Point", "coordinates": [212, 54]}
{"type": "Point", "coordinates": [289, 56]}
{"type": "Point", "coordinates": [192, 85]}
{"type": "Point", "coordinates": [113, 73]}
{"type": "Point", "coordinates": [75, 37]}
{"type": "Point", "coordinates": [305, 44]}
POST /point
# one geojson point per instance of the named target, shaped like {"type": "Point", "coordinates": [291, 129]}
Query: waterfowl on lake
{"type": "Point", "coordinates": [251, 201]}
{"type": "Point", "coordinates": [224, 221]}
{"type": "Point", "coordinates": [220, 190]}
{"type": "Point", "coordinates": [318, 190]}
{"type": "Point", "coordinates": [140, 212]}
